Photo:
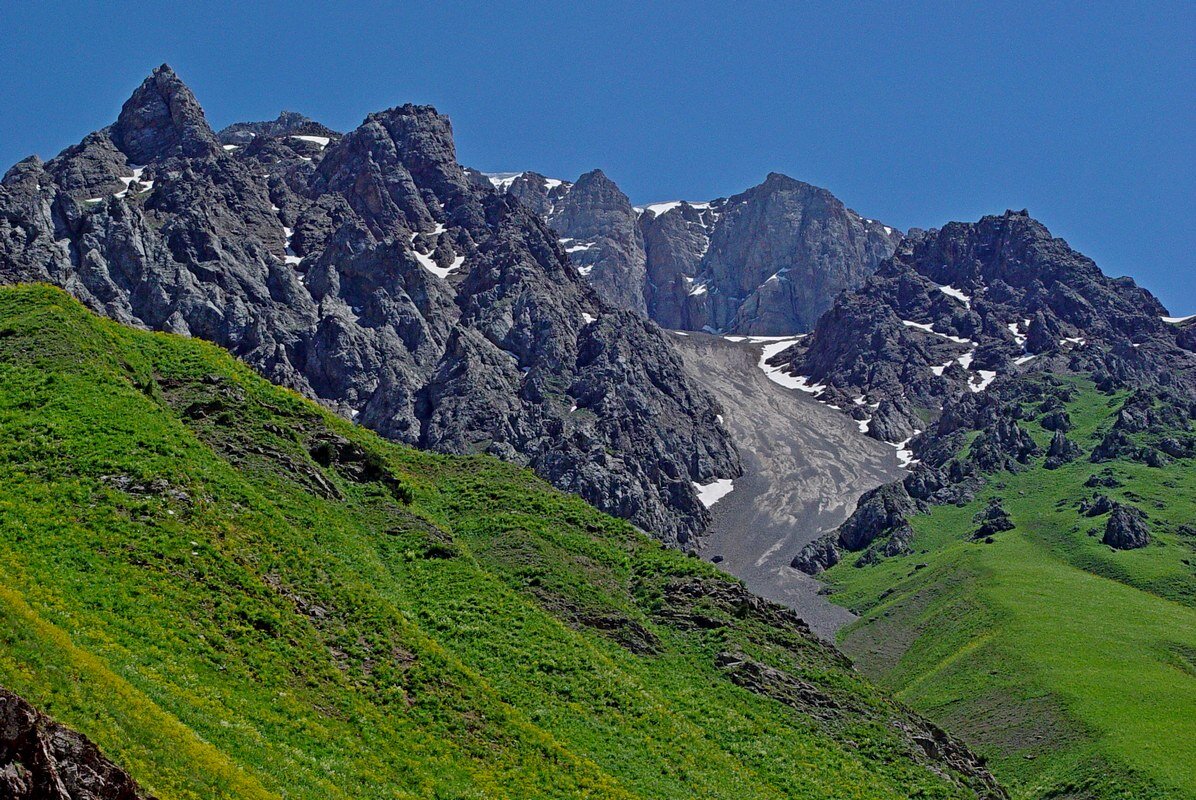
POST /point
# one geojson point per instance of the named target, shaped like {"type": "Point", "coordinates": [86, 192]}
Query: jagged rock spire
{"type": "Point", "coordinates": [162, 119]}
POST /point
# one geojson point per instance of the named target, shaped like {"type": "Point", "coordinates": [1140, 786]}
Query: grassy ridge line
{"type": "Point", "coordinates": [392, 623]}
{"type": "Point", "coordinates": [1067, 663]}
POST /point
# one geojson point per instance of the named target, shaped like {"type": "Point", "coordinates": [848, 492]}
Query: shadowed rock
{"type": "Point", "coordinates": [43, 760]}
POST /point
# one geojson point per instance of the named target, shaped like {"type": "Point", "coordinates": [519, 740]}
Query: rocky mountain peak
{"type": "Point", "coordinates": [781, 252]}
{"type": "Point", "coordinates": [767, 261]}
{"type": "Point", "coordinates": [288, 123]}
{"type": "Point", "coordinates": [780, 182]}
{"type": "Point", "coordinates": [600, 231]}
{"type": "Point", "coordinates": [423, 139]}
{"type": "Point", "coordinates": [161, 119]}
{"type": "Point", "coordinates": [397, 170]}
{"type": "Point", "coordinates": [372, 272]}
{"type": "Point", "coordinates": [538, 193]}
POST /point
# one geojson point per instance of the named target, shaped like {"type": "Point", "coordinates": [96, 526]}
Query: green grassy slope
{"type": "Point", "coordinates": [237, 594]}
{"type": "Point", "coordinates": [1072, 666]}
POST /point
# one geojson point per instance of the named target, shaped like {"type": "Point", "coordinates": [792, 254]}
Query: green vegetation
{"type": "Point", "coordinates": [1070, 665]}
{"type": "Point", "coordinates": [236, 594]}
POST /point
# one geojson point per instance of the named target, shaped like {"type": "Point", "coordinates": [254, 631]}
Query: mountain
{"type": "Point", "coordinates": [370, 271]}
{"type": "Point", "coordinates": [288, 123]}
{"type": "Point", "coordinates": [1029, 582]}
{"type": "Point", "coordinates": [767, 261]}
{"type": "Point", "coordinates": [956, 309]}
{"type": "Point", "coordinates": [235, 593]}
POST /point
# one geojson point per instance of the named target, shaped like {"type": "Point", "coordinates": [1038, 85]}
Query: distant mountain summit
{"type": "Point", "coordinates": [767, 261]}
{"type": "Point", "coordinates": [288, 123]}
{"type": "Point", "coordinates": [374, 273]}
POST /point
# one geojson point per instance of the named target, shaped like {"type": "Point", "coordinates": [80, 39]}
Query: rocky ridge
{"type": "Point", "coordinates": [957, 309]}
{"type": "Point", "coordinates": [374, 273]}
{"type": "Point", "coordinates": [767, 261]}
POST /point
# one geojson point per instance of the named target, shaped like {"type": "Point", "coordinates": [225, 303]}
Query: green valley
{"type": "Point", "coordinates": [1070, 664]}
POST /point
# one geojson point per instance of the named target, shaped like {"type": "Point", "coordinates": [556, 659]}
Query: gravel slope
{"type": "Point", "coordinates": [805, 465]}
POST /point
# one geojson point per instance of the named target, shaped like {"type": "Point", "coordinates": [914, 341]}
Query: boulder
{"type": "Point", "coordinates": [1126, 529]}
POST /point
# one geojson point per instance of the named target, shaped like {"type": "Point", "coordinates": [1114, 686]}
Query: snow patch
{"type": "Point", "coordinates": [127, 181]}
{"type": "Point", "coordinates": [777, 374]}
{"type": "Point", "coordinates": [1018, 336]}
{"type": "Point", "coordinates": [986, 377]}
{"type": "Point", "coordinates": [714, 491]}
{"type": "Point", "coordinates": [951, 291]}
{"type": "Point", "coordinates": [322, 141]}
{"type": "Point", "coordinates": [429, 263]}
{"type": "Point", "coordinates": [1178, 320]}
{"type": "Point", "coordinates": [662, 208]}
{"type": "Point", "coordinates": [928, 328]}
{"type": "Point", "coordinates": [502, 180]}
{"type": "Point", "coordinates": [905, 456]}
{"type": "Point", "coordinates": [587, 318]}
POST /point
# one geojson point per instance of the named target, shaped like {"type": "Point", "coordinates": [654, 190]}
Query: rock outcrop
{"type": "Point", "coordinates": [1126, 529]}
{"type": "Point", "coordinates": [43, 760]}
{"type": "Point", "coordinates": [1061, 451]}
{"type": "Point", "coordinates": [878, 526]}
{"type": "Point", "coordinates": [372, 272]}
{"type": "Point", "coordinates": [993, 519]}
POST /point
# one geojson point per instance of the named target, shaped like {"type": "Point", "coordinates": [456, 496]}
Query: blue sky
{"type": "Point", "coordinates": [912, 113]}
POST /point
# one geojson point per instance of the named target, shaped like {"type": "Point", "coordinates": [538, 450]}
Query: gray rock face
{"type": "Point", "coordinates": [374, 274]}
{"type": "Point", "coordinates": [674, 244]}
{"type": "Point", "coordinates": [782, 252]}
{"type": "Point", "coordinates": [162, 119]}
{"type": "Point", "coordinates": [767, 261]}
{"type": "Point", "coordinates": [600, 231]}
{"type": "Point", "coordinates": [43, 760]}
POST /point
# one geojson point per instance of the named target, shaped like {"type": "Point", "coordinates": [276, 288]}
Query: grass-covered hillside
{"type": "Point", "coordinates": [238, 595]}
{"type": "Point", "coordinates": [1071, 665]}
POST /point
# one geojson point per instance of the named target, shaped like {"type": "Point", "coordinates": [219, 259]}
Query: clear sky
{"type": "Point", "coordinates": [912, 113]}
